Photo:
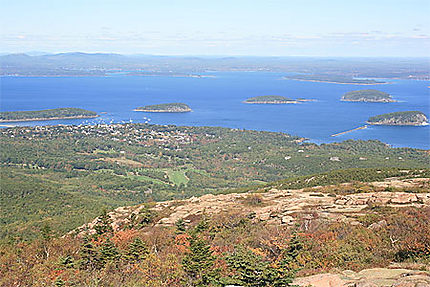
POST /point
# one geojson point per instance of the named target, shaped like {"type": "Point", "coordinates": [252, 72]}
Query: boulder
{"type": "Point", "coordinates": [404, 198]}
{"type": "Point", "coordinates": [286, 219]}
{"type": "Point", "coordinates": [321, 280]}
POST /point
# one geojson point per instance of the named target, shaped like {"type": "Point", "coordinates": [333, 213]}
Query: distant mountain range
{"type": "Point", "coordinates": [83, 64]}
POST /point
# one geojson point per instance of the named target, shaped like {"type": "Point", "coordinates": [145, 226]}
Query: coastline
{"type": "Point", "coordinates": [161, 111]}
{"type": "Point", "coordinates": [48, 119]}
{"type": "Point", "coordinates": [111, 75]}
{"type": "Point", "coordinates": [369, 101]}
{"type": "Point", "coordinates": [274, 102]}
{"type": "Point", "coordinates": [402, 125]}
{"type": "Point", "coordinates": [340, 83]}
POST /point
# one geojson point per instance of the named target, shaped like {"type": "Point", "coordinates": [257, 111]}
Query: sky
{"type": "Point", "coordinates": [366, 28]}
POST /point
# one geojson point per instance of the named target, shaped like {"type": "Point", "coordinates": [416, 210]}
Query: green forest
{"type": "Point", "coordinates": [406, 117]}
{"type": "Point", "coordinates": [268, 99]}
{"type": "Point", "coordinates": [46, 114]}
{"type": "Point", "coordinates": [51, 173]}
{"type": "Point", "coordinates": [367, 95]}
{"type": "Point", "coordinates": [170, 107]}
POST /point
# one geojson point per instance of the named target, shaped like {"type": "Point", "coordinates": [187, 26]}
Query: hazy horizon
{"type": "Point", "coordinates": [224, 28]}
{"type": "Point", "coordinates": [42, 53]}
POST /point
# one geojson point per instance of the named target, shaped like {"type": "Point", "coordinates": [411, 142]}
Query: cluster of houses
{"type": "Point", "coordinates": [147, 135]}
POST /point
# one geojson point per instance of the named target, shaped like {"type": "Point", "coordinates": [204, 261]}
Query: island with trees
{"type": "Point", "coordinates": [408, 118]}
{"type": "Point", "coordinates": [46, 115]}
{"type": "Point", "coordinates": [371, 96]}
{"type": "Point", "coordinates": [270, 100]}
{"type": "Point", "coordinates": [165, 108]}
{"type": "Point", "coordinates": [333, 79]}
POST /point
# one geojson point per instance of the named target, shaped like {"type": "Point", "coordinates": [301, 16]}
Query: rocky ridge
{"type": "Point", "coordinates": [282, 207]}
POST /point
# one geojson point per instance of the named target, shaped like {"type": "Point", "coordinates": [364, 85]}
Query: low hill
{"type": "Point", "coordinates": [269, 100]}
{"type": "Point", "coordinates": [165, 108]}
{"type": "Point", "coordinates": [275, 205]}
{"type": "Point", "coordinates": [333, 79]}
{"type": "Point", "coordinates": [44, 115]}
{"type": "Point", "coordinates": [408, 118]}
{"type": "Point", "coordinates": [282, 229]}
{"type": "Point", "coordinates": [372, 96]}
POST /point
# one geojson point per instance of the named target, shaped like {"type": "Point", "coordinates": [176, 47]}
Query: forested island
{"type": "Point", "coordinates": [270, 100]}
{"type": "Point", "coordinates": [334, 79]}
{"type": "Point", "coordinates": [165, 108]}
{"type": "Point", "coordinates": [408, 118]}
{"type": "Point", "coordinates": [371, 95]}
{"type": "Point", "coordinates": [45, 115]}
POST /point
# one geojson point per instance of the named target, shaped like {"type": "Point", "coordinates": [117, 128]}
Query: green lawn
{"type": "Point", "coordinates": [177, 176]}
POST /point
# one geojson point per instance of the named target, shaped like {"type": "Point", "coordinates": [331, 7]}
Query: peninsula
{"type": "Point", "coordinates": [371, 96]}
{"type": "Point", "coordinates": [408, 118]}
{"type": "Point", "coordinates": [270, 100]}
{"type": "Point", "coordinates": [333, 79]}
{"type": "Point", "coordinates": [165, 108]}
{"type": "Point", "coordinates": [46, 115]}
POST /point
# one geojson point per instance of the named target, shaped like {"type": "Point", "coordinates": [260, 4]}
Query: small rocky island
{"type": "Point", "coordinates": [371, 96]}
{"type": "Point", "coordinates": [270, 100]}
{"type": "Point", "coordinates": [165, 108]}
{"type": "Point", "coordinates": [46, 115]}
{"type": "Point", "coordinates": [409, 118]}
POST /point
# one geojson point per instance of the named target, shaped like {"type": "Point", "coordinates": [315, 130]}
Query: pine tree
{"type": "Point", "coordinates": [252, 271]}
{"type": "Point", "coordinates": [180, 225]}
{"type": "Point", "coordinates": [249, 268]}
{"type": "Point", "coordinates": [202, 225]}
{"type": "Point", "coordinates": [295, 246]}
{"type": "Point", "coordinates": [199, 263]}
{"type": "Point", "coordinates": [108, 252]}
{"type": "Point", "coordinates": [90, 258]}
{"type": "Point", "coordinates": [137, 251]}
{"type": "Point", "coordinates": [103, 224]}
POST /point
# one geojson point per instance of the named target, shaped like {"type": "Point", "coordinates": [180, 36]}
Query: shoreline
{"type": "Point", "coordinates": [273, 103]}
{"type": "Point", "coordinates": [161, 111]}
{"type": "Point", "coordinates": [301, 139]}
{"type": "Point", "coordinates": [112, 75]}
{"type": "Point", "coordinates": [364, 101]}
{"type": "Point", "coordinates": [395, 125]}
{"type": "Point", "coordinates": [48, 119]}
{"type": "Point", "coordinates": [349, 131]}
{"type": "Point", "coordinates": [340, 83]}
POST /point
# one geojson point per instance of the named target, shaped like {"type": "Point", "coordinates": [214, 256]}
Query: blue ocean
{"type": "Point", "coordinates": [218, 101]}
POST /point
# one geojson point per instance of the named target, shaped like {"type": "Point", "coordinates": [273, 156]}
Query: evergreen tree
{"type": "Point", "coordinates": [295, 246]}
{"type": "Point", "coordinates": [252, 271]}
{"type": "Point", "coordinates": [145, 217]}
{"type": "Point", "coordinates": [249, 268]}
{"type": "Point", "coordinates": [199, 263]}
{"type": "Point", "coordinates": [90, 258]}
{"type": "Point", "coordinates": [137, 251]}
{"type": "Point", "coordinates": [103, 224]}
{"type": "Point", "coordinates": [180, 225]}
{"type": "Point", "coordinates": [202, 225]}
{"type": "Point", "coordinates": [108, 252]}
